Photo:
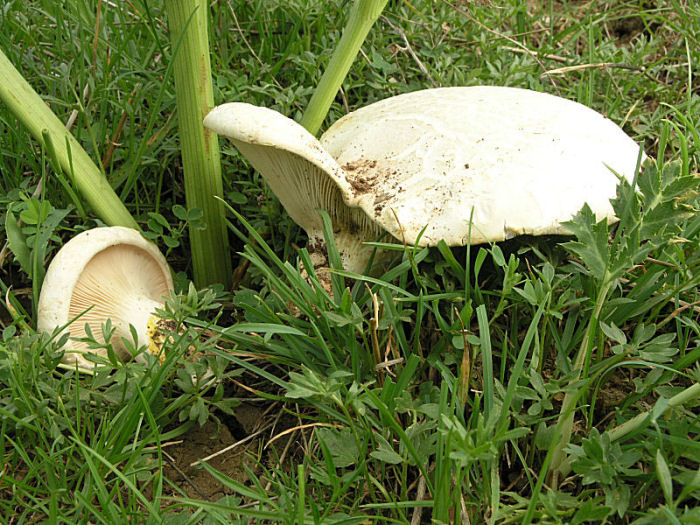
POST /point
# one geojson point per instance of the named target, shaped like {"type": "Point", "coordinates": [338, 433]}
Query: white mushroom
{"type": "Point", "coordinates": [419, 165]}
{"type": "Point", "coordinates": [105, 273]}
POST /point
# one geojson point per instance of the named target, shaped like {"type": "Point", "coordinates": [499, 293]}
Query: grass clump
{"type": "Point", "coordinates": [533, 381]}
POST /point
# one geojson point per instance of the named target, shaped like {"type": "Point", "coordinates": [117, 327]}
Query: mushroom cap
{"type": "Point", "coordinates": [295, 165]}
{"type": "Point", "coordinates": [301, 173]}
{"type": "Point", "coordinates": [422, 164]}
{"type": "Point", "coordinates": [103, 273]}
{"type": "Point", "coordinates": [520, 161]}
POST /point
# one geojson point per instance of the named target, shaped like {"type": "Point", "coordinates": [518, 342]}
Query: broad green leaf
{"type": "Point", "coordinates": [614, 333]}
{"type": "Point", "coordinates": [341, 444]}
{"type": "Point", "coordinates": [18, 242]}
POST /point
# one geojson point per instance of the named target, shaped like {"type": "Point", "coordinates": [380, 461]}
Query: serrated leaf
{"type": "Point", "coordinates": [662, 219]}
{"type": "Point", "coordinates": [649, 183]}
{"type": "Point", "coordinates": [626, 204]}
{"type": "Point", "coordinates": [667, 199]}
{"type": "Point", "coordinates": [592, 243]}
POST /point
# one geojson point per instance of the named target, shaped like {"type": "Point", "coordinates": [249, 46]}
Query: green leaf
{"type": "Point", "coordinates": [664, 475]}
{"type": "Point", "coordinates": [528, 292]}
{"type": "Point", "coordinates": [341, 444]}
{"type": "Point", "coordinates": [590, 511]}
{"type": "Point", "coordinates": [170, 242]}
{"type": "Point", "coordinates": [497, 255]}
{"type": "Point", "coordinates": [194, 214]}
{"type": "Point", "coordinates": [158, 219]}
{"type": "Point", "coordinates": [342, 320]}
{"type": "Point", "coordinates": [310, 384]}
{"type": "Point", "coordinates": [614, 333]}
{"type": "Point", "coordinates": [592, 243]}
{"type": "Point", "coordinates": [618, 498]}
{"type": "Point", "coordinates": [43, 236]}
{"type": "Point", "coordinates": [385, 452]}
{"type": "Point", "coordinates": [267, 328]}
{"type": "Point", "coordinates": [664, 195]}
{"type": "Point", "coordinates": [236, 197]}
{"type": "Point", "coordinates": [180, 212]}
{"type": "Point", "coordinates": [18, 242]}
{"type": "Point", "coordinates": [449, 257]}
{"type": "Point", "coordinates": [36, 211]}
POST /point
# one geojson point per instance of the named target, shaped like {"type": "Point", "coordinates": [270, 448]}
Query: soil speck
{"type": "Point", "coordinates": [361, 175]}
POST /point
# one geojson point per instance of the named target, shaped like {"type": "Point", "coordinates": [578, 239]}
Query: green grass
{"type": "Point", "coordinates": [484, 339]}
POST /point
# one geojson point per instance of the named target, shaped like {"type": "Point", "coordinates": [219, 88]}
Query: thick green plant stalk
{"type": "Point", "coordinates": [187, 21]}
{"type": "Point", "coordinates": [362, 17]}
{"type": "Point", "coordinates": [28, 107]}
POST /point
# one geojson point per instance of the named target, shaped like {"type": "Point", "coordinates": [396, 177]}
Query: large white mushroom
{"type": "Point", "coordinates": [514, 161]}
{"type": "Point", "coordinates": [105, 273]}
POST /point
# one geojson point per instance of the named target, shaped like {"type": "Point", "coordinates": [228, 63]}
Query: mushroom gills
{"type": "Point", "coordinates": [105, 274]}
{"type": "Point", "coordinates": [108, 288]}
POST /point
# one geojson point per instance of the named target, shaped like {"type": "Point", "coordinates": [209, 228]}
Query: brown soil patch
{"type": "Point", "coordinates": [626, 29]}
{"type": "Point", "coordinates": [209, 439]}
{"type": "Point", "coordinates": [199, 443]}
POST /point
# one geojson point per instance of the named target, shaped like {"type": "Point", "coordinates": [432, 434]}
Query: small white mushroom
{"type": "Point", "coordinates": [105, 273]}
{"type": "Point", "coordinates": [515, 161]}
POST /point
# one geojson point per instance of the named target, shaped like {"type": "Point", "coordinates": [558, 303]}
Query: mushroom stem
{"type": "Point", "coordinates": [354, 253]}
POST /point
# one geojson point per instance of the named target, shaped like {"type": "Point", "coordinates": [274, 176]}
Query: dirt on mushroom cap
{"type": "Point", "coordinates": [521, 161]}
